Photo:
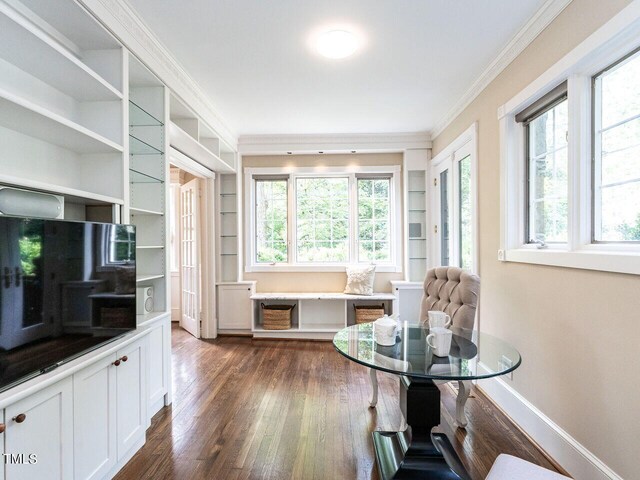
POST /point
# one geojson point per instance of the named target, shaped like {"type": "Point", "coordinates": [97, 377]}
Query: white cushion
{"type": "Point", "coordinates": [360, 279]}
{"type": "Point", "coordinates": [507, 467]}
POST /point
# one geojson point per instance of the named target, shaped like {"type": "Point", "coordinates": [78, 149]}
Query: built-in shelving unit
{"type": "Point", "coordinates": [417, 224]}
{"type": "Point", "coordinates": [148, 174]}
{"type": "Point", "coordinates": [61, 105]}
{"type": "Point", "coordinates": [228, 228]}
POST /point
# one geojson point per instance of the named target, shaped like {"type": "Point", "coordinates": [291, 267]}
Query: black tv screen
{"type": "Point", "coordinates": [65, 289]}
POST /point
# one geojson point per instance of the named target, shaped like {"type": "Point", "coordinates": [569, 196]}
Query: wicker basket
{"type": "Point", "coordinates": [368, 313]}
{"type": "Point", "coordinates": [276, 317]}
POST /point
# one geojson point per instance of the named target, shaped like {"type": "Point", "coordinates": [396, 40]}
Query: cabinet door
{"type": "Point", "coordinates": [159, 358]}
{"type": "Point", "coordinates": [94, 419]}
{"type": "Point", "coordinates": [234, 307]}
{"type": "Point", "coordinates": [41, 425]}
{"type": "Point", "coordinates": [131, 401]}
{"type": "Point", "coordinates": [409, 301]}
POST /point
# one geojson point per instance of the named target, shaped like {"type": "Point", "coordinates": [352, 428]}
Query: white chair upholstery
{"type": "Point", "coordinates": [508, 467]}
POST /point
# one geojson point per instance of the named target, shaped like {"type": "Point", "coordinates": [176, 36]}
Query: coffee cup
{"type": "Point", "coordinates": [439, 339]}
{"type": "Point", "coordinates": [438, 319]}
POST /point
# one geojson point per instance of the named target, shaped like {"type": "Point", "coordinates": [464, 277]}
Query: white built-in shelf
{"type": "Point", "coordinates": [146, 318]}
{"type": "Point", "coordinates": [26, 117]}
{"type": "Point", "coordinates": [321, 296]}
{"type": "Point", "coordinates": [146, 278]}
{"type": "Point", "coordinates": [417, 238]}
{"type": "Point", "coordinates": [72, 195]}
{"type": "Point", "coordinates": [143, 211]}
{"type": "Point", "coordinates": [228, 194]}
{"type": "Point", "coordinates": [189, 146]}
{"type": "Point", "coordinates": [34, 51]}
{"type": "Point", "coordinates": [149, 247]}
{"type": "Point", "coordinates": [112, 295]}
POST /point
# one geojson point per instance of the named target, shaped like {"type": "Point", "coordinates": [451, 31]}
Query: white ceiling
{"type": "Point", "coordinates": [253, 58]}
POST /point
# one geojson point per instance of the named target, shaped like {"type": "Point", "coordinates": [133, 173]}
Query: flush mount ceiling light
{"type": "Point", "coordinates": [337, 44]}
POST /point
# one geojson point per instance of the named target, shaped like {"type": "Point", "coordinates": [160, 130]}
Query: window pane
{"type": "Point", "coordinates": [548, 176]}
{"type": "Point", "coordinates": [374, 220]}
{"type": "Point", "coordinates": [271, 221]}
{"type": "Point", "coordinates": [617, 152]}
{"type": "Point", "coordinates": [466, 242]}
{"type": "Point", "coordinates": [444, 218]}
{"type": "Point", "coordinates": [322, 219]}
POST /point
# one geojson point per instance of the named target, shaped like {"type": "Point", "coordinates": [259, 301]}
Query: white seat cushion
{"type": "Point", "coordinates": [508, 467]}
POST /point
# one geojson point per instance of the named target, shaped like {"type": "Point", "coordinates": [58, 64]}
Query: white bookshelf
{"type": "Point", "coordinates": [416, 212]}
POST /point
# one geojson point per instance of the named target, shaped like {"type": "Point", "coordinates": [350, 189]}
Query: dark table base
{"type": "Point", "coordinates": [416, 452]}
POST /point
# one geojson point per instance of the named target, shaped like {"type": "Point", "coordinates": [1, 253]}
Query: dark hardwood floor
{"type": "Point", "coordinates": [268, 409]}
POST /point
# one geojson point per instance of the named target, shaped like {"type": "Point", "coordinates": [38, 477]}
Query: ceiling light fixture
{"type": "Point", "coordinates": [337, 44]}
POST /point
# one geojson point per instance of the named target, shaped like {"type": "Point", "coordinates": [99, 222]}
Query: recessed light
{"type": "Point", "coordinates": [289, 153]}
{"type": "Point", "coordinates": [337, 44]}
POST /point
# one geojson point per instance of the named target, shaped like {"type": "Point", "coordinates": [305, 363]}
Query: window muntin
{"type": "Point", "coordinates": [374, 219]}
{"type": "Point", "coordinates": [465, 215]}
{"type": "Point", "coordinates": [616, 145]}
{"type": "Point", "coordinates": [322, 219]}
{"type": "Point", "coordinates": [547, 169]}
{"type": "Point", "coordinates": [271, 220]}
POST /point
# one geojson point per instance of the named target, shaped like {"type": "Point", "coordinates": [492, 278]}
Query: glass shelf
{"type": "Point", "coordinates": [136, 176]}
{"type": "Point", "coordinates": [228, 236]}
{"type": "Point", "coordinates": [417, 210]}
{"type": "Point", "coordinates": [228, 213]}
{"type": "Point", "coordinates": [417, 191]}
{"type": "Point", "coordinates": [417, 238]}
{"type": "Point", "coordinates": [228, 194]}
{"type": "Point", "coordinates": [228, 254]}
{"type": "Point", "coordinates": [417, 258]}
{"type": "Point", "coordinates": [139, 117]}
{"type": "Point", "coordinates": [138, 147]}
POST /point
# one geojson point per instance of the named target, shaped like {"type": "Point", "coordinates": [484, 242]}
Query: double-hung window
{"type": "Point", "coordinates": [616, 152]}
{"type": "Point", "coordinates": [306, 219]}
{"type": "Point", "coordinates": [547, 183]}
{"type": "Point", "coordinates": [570, 157]}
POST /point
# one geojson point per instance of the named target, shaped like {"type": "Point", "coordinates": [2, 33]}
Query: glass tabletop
{"type": "Point", "coordinates": [412, 357]}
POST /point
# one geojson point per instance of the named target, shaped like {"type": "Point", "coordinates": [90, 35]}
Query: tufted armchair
{"type": "Point", "coordinates": [455, 292]}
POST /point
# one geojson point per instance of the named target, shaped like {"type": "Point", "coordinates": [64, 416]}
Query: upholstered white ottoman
{"type": "Point", "coordinates": [507, 467]}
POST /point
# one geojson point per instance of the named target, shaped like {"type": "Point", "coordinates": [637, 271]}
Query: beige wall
{"type": "Point", "coordinates": [559, 318]}
{"type": "Point", "coordinates": [318, 282]}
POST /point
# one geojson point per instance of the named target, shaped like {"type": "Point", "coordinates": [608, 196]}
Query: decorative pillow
{"type": "Point", "coordinates": [360, 280]}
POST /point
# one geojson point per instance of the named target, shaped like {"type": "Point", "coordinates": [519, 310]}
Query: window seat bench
{"type": "Point", "coordinates": [316, 316]}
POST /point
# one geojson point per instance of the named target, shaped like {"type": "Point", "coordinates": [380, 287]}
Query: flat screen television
{"type": "Point", "coordinates": [65, 288]}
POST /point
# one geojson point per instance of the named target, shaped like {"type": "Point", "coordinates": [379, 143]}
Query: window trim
{"type": "Point", "coordinates": [392, 171]}
{"type": "Point", "coordinates": [611, 42]}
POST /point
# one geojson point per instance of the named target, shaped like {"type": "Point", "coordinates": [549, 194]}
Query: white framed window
{"type": "Point", "coordinates": [308, 219]}
{"type": "Point", "coordinates": [595, 166]}
{"type": "Point", "coordinates": [453, 206]}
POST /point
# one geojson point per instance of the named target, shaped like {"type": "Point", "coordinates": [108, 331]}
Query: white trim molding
{"type": "Point", "coordinates": [574, 457]}
{"type": "Point", "coordinates": [615, 39]}
{"type": "Point", "coordinates": [126, 25]}
{"type": "Point", "coordinates": [527, 34]}
{"type": "Point", "coordinates": [332, 143]}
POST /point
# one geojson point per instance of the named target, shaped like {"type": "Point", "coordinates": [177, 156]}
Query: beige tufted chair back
{"type": "Point", "coordinates": [453, 291]}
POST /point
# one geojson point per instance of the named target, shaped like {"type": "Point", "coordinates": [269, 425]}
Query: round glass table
{"type": "Point", "coordinates": [418, 452]}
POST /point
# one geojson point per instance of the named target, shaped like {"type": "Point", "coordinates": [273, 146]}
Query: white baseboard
{"type": "Point", "coordinates": [579, 462]}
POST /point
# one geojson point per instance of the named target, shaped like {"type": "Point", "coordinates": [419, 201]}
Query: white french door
{"type": "Point", "coordinates": [190, 256]}
{"type": "Point", "coordinates": [453, 207]}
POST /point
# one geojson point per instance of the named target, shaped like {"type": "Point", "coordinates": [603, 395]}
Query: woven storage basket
{"type": "Point", "coordinates": [368, 313]}
{"type": "Point", "coordinates": [276, 317]}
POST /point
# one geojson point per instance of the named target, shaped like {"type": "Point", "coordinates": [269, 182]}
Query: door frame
{"type": "Point", "coordinates": [467, 142]}
{"type": "Point", "coordinates": [208, 328]}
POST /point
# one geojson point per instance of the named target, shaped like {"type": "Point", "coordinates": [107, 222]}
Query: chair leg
{"type": "Point", "coordinates": [374, 388]}
{"type": "Point", "coordinates": [464, 389]}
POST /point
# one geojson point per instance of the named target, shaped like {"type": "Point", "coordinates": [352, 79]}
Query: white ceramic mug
{"type": "Point", "coordinates": [439, 339]}
{"type": "Point", "coordinates": [438, 319]}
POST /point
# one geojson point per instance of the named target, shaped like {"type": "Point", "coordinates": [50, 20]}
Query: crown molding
{"type": "Point", "coordinates": [332, 143]}
{"type": "Point", "coordinates": [125, 24]}
{"type": "Point", "coordinates": [527, 34]}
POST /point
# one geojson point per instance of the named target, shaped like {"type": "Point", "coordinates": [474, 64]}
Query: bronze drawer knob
{"type": "Point", "coordinates": [20, 418]}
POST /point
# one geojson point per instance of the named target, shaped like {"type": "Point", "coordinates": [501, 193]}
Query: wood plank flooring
{"type": "Point", "coordinates": [270, 409]}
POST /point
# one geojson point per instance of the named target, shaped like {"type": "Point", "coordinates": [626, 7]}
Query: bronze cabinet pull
{"type": "Point", "coordinates": [19, 418]}
{"type": "Point", "coordinates": [116, 363]}
{"type": "Point", "coordinates": [3, 427]}
{"type": "Point", "coordinates": [125, 358]}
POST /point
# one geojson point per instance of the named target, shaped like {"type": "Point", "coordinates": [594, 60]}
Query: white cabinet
{"type": "Point", "coordinates": [234, 305]}
{"type": "Point", "coordinates": [131, 400]}
{"type": "Point", "coordinates": [41, 424]}
{"type": "Point", "coordinates": [159, 365]}
{"type": "Point", "coordinates": [94, 419]}
{"type": "Point", "coordinates": [409, 299]}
